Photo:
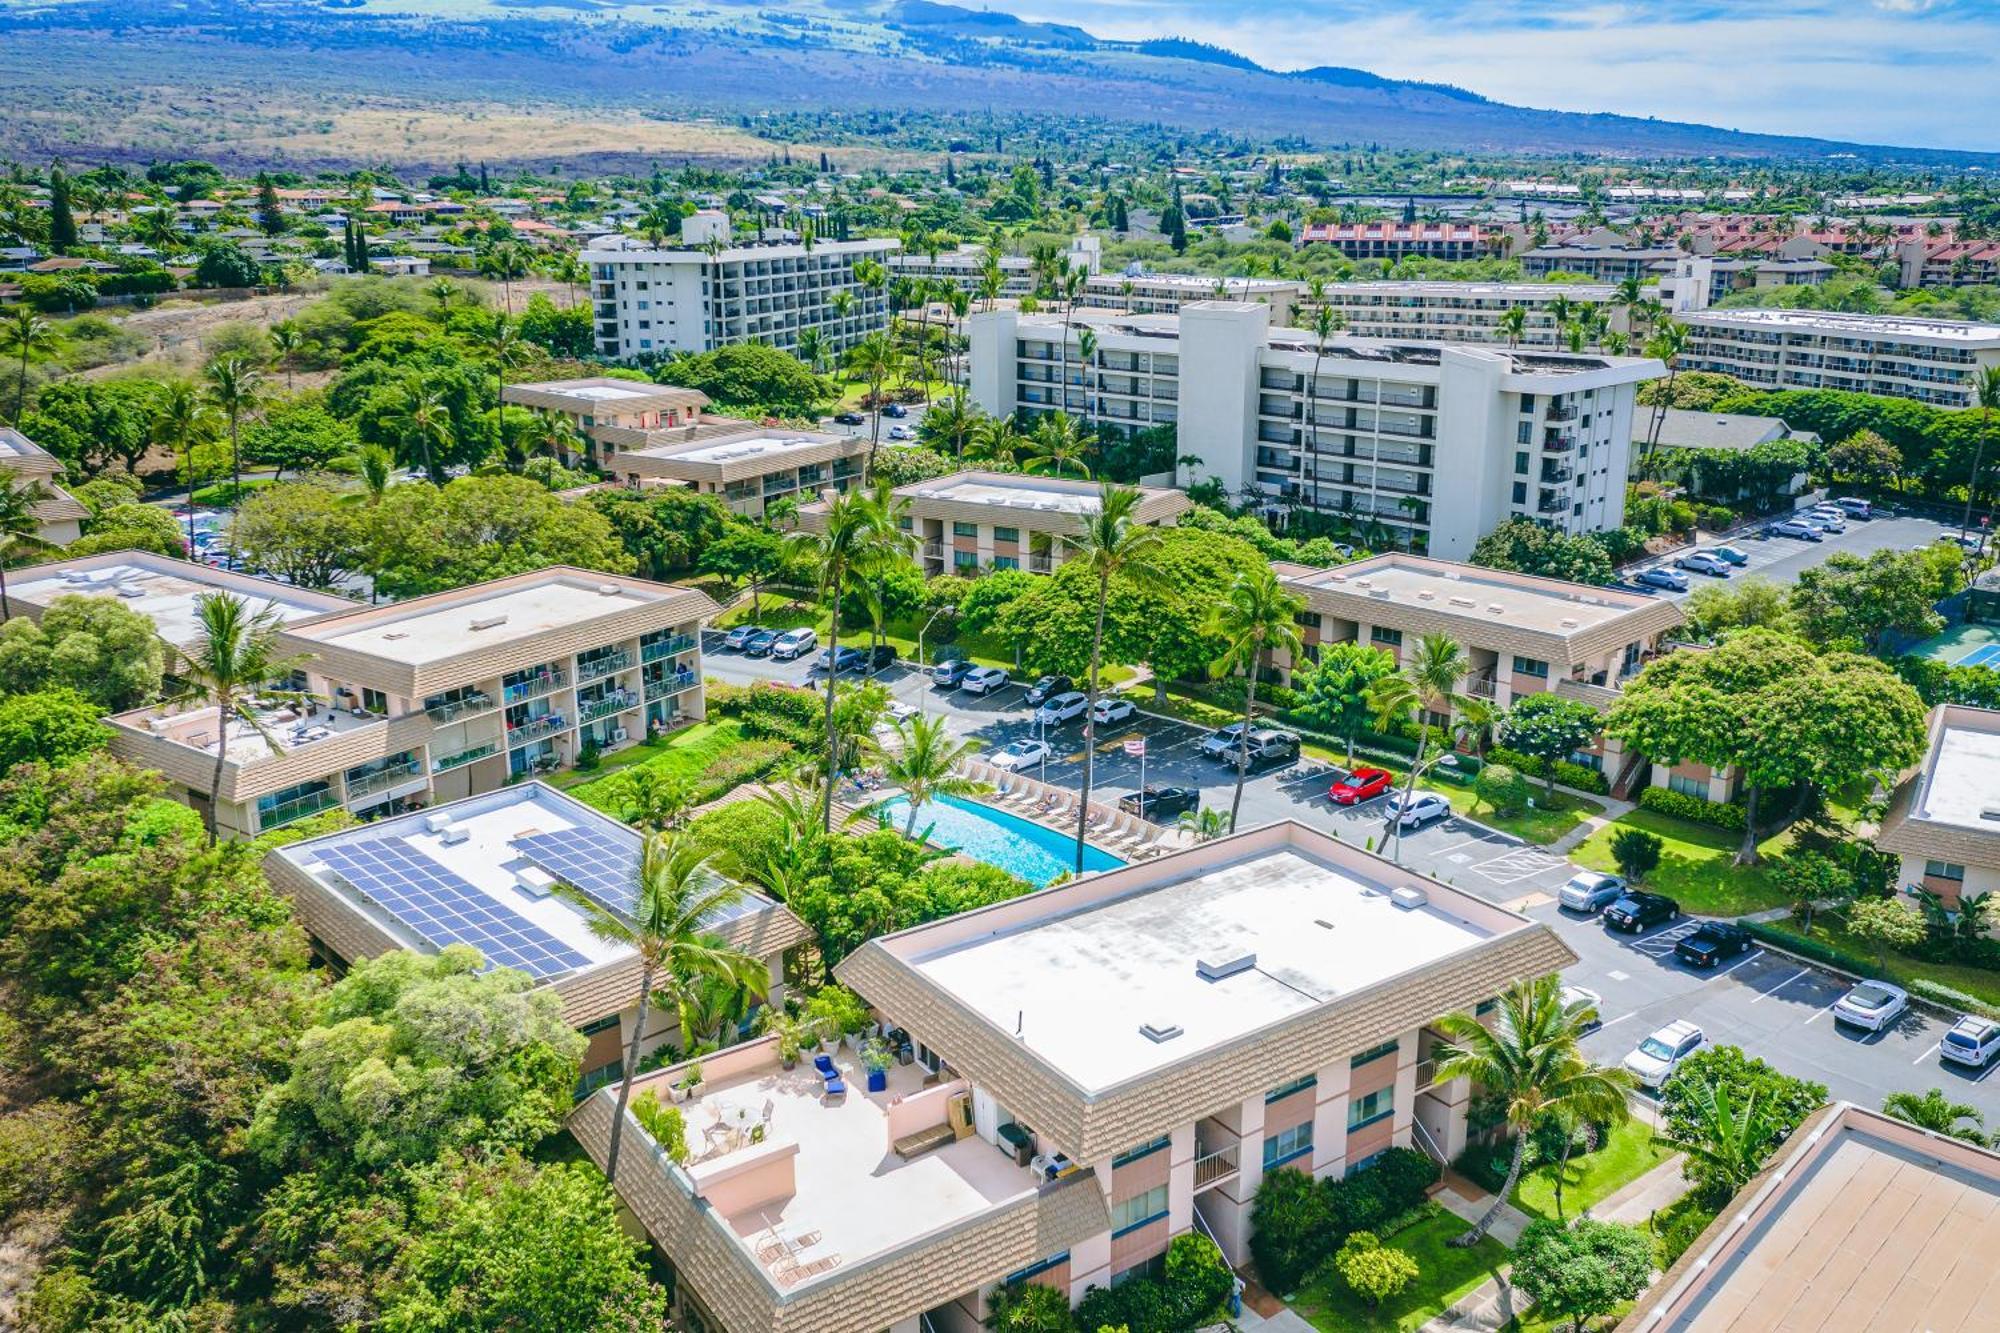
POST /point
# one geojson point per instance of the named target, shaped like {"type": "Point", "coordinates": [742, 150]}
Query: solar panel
{"type": "Point", "coordinates": [603, 867]}
{"type": "Point", "coordinates": [443, 908]}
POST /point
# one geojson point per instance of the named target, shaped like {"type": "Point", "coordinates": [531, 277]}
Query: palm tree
{"type": "Point", "coordinates": [568, 270]}
{"type": "Point", "coordinates": [504, 344]}
{"type": "Point", "coordinates": [27, 336]}
{"type": "Point", "coordinates": [952, 420]}
{"type": "Point", "coordinates": [1512, 324]}
{"type": "Point", "coordinates": [182, 423]}
{"type": "Point", "coordinates": [1058, 444]}
{"type": "Point", "coordinates": [557, 436]}
{"type": "Point", "coordinates": [994, 440]}
{"type": "Point", "coordinates": [20, 526]}
{"type": "Point", "coordinates": [377, 464]}
{"type": "Point", "coordinates": [234, 654]}
{"type": "Point", "coordinates": [1324, 321]}
{"type": "Point", "coordinates": [425, 421]}
{"type": "Point", "coordinates": [925, 762]}
{"type": "Point", "coordinates": [1987, 386]}
{"type": "Point", "coordinates": [287, 341]}
{"type": "Point", "coordinates": [1433, 673]}
{"type": "Point", "coordinates": [506, 261]}
{"type": "Point", "coordinates": [655, 801]}
{"type": "Point", "coordinates": [676, 895]}
{"type": "Point", "coordinates": [236, 387]}
{"type": "Point", "coordinates": [875, 358]}
{"type": "Point", "coordinates": [1666, 344]}
{"type": "Point", "coordinates": [1529, 1059]}
{"type": "Point", "coordinates": [442, 290]}
{"type": "Point", "coordinates": [858, 533]}
{"type": "Point", "coordinates": [1257, 617]}
{"type": "Point", "coordinates": [1937, 1113]}
{"type": "Point", "coordinates": [1110, 543]}
{"type": "Point", "coordinates": [812, 349]}
{"type": "Point", "coordinates": [1205, 825]}
{"type": "Point", "coordinates": [1728, 1143]}
{"type": "Point", "coordinates": [1086, 352]}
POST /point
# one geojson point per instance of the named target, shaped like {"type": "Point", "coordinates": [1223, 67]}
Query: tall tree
{"type": "Point", "coordinates": [1431, 676]}
{"type": "Point", "coordinates": [234, 653]}
{"type": "Point", "coordinates": [875, 358]}
{"type": "Point", "coordinates": [1937, 1113]}
{"type": "Point", "coordinates": [1987, 387]}
{"type": "Point", "coordinates": [1333, 689]}
{"type": "Point", "coordinates": [676, 895]}
{"type": "Point", "coordinates": [62, 216]}
{"type": "Point", "coordinates": [20, 525]}
{"type": "Point", "coordinates": [1530, 1059]}
{"type": "Point", "coordinates": [182, 423]}
{"type": "Point", "coordinates": [1257, 618]}
{"type": "Point", "coordinates": [924, 760]}
{"type": "Point", "coordinates": [1057, 445]}
{"type": "Point", "coordinates": [1110, 543]}
{"type": "Point", "coordinates": [503, 344]}
{"type": "Point", "coordinates": [27, 337]}
{"type": "Point", "coordinates": [1668, 340]}
{"type": "Point", "coordinates": [235, 387]}
{"type": "Point", "coordinates": [1549, 727]}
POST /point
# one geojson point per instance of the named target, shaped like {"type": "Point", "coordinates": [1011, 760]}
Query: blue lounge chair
{"type": "Point", "coordinates": [824, 1064]}
{"type": "Point", "coordinates": [835, 1086]}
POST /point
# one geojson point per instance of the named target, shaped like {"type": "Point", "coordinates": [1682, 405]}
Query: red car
{"type": "Point", "coordinates": [1363, 784]}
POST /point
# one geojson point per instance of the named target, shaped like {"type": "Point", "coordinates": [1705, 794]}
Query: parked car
{"type": "Point", "coordinates": [1218, 744]}
{"type": "Point", "coordinates": [1734, 556]}
{"type": "Point", "coordinates": [951, 674]}
{"type": "Point", "coordinates": [1796, 528]}
{"type": "Point", "coordinates": [1424, 807]}
{"type": "Point", "coordinates": [1021, 754]}
{"type": "Point", "coordinates": [1972, 1041]}
{"type": "Point", "coordinates": [1266, 749]}
{"type": "Point", "coordinates": [898, 711]}
{"type": "Point", "coordinates": [1711, 942]}
{"type": "Point", "coordinates": [1363, 784]}
{"type": "Point", "coordinates": [741, 635]}
{"type": "Point", "coordinates": [1065, 707]}
{"type": "Point", "coordinates": [849, 418]}
{"type": "Point", "coordinates": [1873, 1005]}
{"type": "Point", "coordinates": [1705, 562]}
{"type": "Point", "coordinates": [896, 410]}
{"type": "Point", "coordinates": [1592, 1002]}
{"type": "Point", "coordinates": [1671, 579]}
{"type": "Point", "coordinates": [1047, 688]}
{"type": "Point", "coordinates": [1590, 891]}
{"type": "Point", "coordinates": [901, 433]}
{"type": "Point", "coordinates": [1855, 507]}
{"type": "Point", "coordinates": [1112, 710]}
{"type": "Point", "coordinates": [984, 680]}
{"type": "Point", "coordinates": [1160, 805]}
{"type": "Point", "coordinates": [847, 659]}
{"type": "Point", "coordinates": [793, 643]}
{"type": "Point", "coordinates": [1636, 910]}
{"type": "Point", "coordinates": [1654, 1060]}
{"type": "Point", "coordinates": [883, 657]}
{"type": "Point", "coordinates": [759, 644]}
{"type": "Point", "coordinates": [1826, 520]}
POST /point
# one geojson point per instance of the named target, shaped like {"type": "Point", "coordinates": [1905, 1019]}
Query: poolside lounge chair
{"type": "Point", "coordinates": [833, 1086]}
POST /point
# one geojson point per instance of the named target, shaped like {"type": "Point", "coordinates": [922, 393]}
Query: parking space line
{"type": "Point", "coordinates": [1820, 1014]}
{"type": "Point", "coordinates": [1765, 995]}
{"type": "Point", "coordinates": [1633, 1013]}
{"type": "Point", "coordinates": [1984, 1072]}
{"type": "Point", "coordinates": [1753, 957]}
{"type": "Point", "coordinates": [1928, 1052]}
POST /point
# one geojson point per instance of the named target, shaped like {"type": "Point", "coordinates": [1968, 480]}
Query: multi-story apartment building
{"type": "Point", "coordinates": [1425, 445]}
{"type": "Point", "coordinates": [1166, 293]}
{"type": "Point", "coordinates": [1394, 240]}
{"type": "Point", "coordinates": [971, 522]}
{"type": "Point", "coordinates": [651, 300]}
{"type": "Point", "coordinates": [1944, 819]}
{"type": "Point", "coordinates": [965, 267]}
{"type": "Point", "coordinates": [1092, 1070]}
{"type": "Point", "coordinates": [1469, 311]}
{"type": "Point", "coordinates": [1935, 361]}
{"type": "Point", "coordinates": [24, 463]}
{"type": "Point", "coordinates": [481, 871]}
{"type": "Point", "coordinates": [645, 435]}
{"type": "Point", "coordinates": [1611, 264]}
{"type": "Point", "coordinates": [1522, 634]}
{"type": "Point", "coordinates": [1696, 282]}
{"type": "Point", "coordinates": [399, 707]}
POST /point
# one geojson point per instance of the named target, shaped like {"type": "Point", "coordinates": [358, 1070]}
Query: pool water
{"type": "Point", "coordinates": [1018, 846]}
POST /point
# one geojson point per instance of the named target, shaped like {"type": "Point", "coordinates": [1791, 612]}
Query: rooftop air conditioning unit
{"type": "Point", "coordinates": [1463, 601]}
{"type": "Point", "coordinates": [534, 881]}
{"type": "Point", "coordinates": [1426, 595]}
{"type": "Point", "coordinates": [608, 590]}
{"type": "Point", "coordinates": [489, 622]}
{"type": "Point", "coordinates": [1494, 608]}
{"type": "Point", "coordinates": [1379, 594]}
{"type": "Point", "coordinates": [1160, 1031]}
{"type": "Point", "coordinates": [453, 834]}
{"type": "Point", "coordinates": [1409, 899]}
{"type": "Point", "coordinates": [437, 822]}
{"type": "Point", "coordinates": [1214, 967]}
{"type": "Point", "coordinates": [127, 590]}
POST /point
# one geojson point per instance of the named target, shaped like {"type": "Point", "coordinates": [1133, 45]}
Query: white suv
{"type": "Point", "coordinates": [1653, 1061]}
{"type": "Point", "coordinates": [793, 643]}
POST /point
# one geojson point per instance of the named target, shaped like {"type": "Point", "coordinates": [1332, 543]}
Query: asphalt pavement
{"type": "Point", "coordinates": [1783, 559]}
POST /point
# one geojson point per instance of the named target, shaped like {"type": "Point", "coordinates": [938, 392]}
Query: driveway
{"type": "Point", "coordinates": [1783, 559]}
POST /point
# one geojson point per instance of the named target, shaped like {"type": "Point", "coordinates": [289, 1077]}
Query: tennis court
{"type": "Point", "coordinates": [1987, 655]}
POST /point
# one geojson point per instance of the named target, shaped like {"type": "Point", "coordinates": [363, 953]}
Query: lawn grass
{"type": "Point", "coordinates": [1533, 1322]}
{"type": "Point", "coordinates": [1696, 864]}
{"type": "Point", "coordinates": [1979, 982]}
{"type": "Point", "coordinates": [1444, 1277]}
{"type": "Point", "coordinates": [684, 754]}
{"type": "Point", "coordinates": [1549, 818]}
{"type": "Point", "coordinates": [1628, 1152]}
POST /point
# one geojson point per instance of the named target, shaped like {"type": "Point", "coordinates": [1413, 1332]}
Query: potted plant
{"type": "Point", "coordinates": [876, 1058]}
{"type": "Point", "coordinates": [690, 1082]}
{"type": "Point", "coordinates": [790, 1033]}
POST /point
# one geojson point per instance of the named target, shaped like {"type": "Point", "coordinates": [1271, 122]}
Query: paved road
{"type": "Point", "coordinates": [1783, 559]}
{"type": "Point", "coordinates": [1767, 1004]}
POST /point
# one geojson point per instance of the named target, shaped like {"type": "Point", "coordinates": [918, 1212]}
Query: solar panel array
{"type": "Point", "coordinates": [443, 908]}
{"type": "Point", "coordinates": [603, 867]}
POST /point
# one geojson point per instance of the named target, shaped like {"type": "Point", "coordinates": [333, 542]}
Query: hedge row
{"type": "Point", "coordinates": [1299, 1222]}
{"type": "Point", "coordinates": [1694, 809]}
{"type": "Point", "coordinates": [1566, 773]}
{"type": "Point", "coordinates": [1832, 956]}
{"type": "Point", "coordinates": [771, 711]}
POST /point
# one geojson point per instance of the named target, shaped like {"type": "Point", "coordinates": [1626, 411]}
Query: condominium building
{"type": "Point", "coordinates": [1470, 311]}
{"type": "Point", "coordinates": [1696, 282]}
{"type": "Point", "coordinates": [1934, 361]}
{"type": "Point", "coordinates": [660, 436]}
{"type": "Point", "coordinates": [1395, 240]}
{"type": "Point", "coordinates": [1610, 263]}
{"type": "Point", "coordinates": [655, 301]}
{"type": "Point", "coordinates": [971, 522]}
{"type": "Point", "coordinates": [1166, 293]}
{"type": "Point", "coordinates": [482, 871]}
{"type": "Point", "coordinates": [1522, 634]}
{"type": "Point", "coordinates": [1944, 820]}
{"type": "Point", "coordinates": [399, 707]}
{"type": "Point", "coordinates": [965, 267]}
{"type": "Point", "coordinates": [1089, 1071]}
{"type": "Point", "coordinates": [24, 463]}
{"type": "Point", "coordinates": [1426, 445]}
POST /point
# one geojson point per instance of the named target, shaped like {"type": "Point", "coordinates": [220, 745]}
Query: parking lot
{"type": "Point", "coordinates": [1783, 559]}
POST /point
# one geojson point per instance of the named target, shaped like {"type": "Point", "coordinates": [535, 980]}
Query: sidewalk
{"type": "Point", "coordinates": [1613, 810]}
{"type": "Point", "coordinates": [1635, 1203]}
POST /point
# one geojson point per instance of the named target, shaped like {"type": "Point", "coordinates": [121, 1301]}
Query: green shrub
{"type": "Point", "coordinates": [1694, 809]}
{"type": "Point", "coordinates": [769, 710]}
{"type": "Point", "coordinates": [1676, 1227]}
{"type": "Point", "coordinates": [1637, 853]}
{"type": "Point", "coordinates": [1299, 1222]}
{"type": "Point", "coordinates": [1196, 1280]}
{"type": "Point", "coordinates": [1373, 1273]}
{"type": "Point", "coordinates": [1503, 788]}
{"type": "Point", "coordinates": [1950, 998]}
{"type": "Point", "coordinates": [664, 1122]}
{"type": "Point", "coordinates": [1582, 777]}
{"type": "Point", "coordinates": [1816, 950]}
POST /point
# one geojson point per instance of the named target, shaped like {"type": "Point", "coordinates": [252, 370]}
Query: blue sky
{"type": "Point", "coordinates": [1921, 72]}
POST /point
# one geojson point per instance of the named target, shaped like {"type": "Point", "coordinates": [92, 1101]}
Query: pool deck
{"type": "Point", "coordinates": [1163, 840]}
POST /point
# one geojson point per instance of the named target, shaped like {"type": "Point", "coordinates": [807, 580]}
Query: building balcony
{"type": "Point", "coordinates": [599, 667]}
{"type": "Point", "coordinates": [679, 643]}
{"type": "Point", "coordinates": [453, 710]}
{"type": "Point", "coordinates": [668, 686]}
{"type": "Point", "coordinates": [547, 681]}
{"type": "Point", "coordinates": [382, 779]}
{"type": "Point", "coordinates": [548, 724]}
{"type": "Point", "coordinates": [299, 807]}
{"type": "Point", "coordinates": [1217, 1154]}
{"type": "Point", "coordinates": [1564, 413]}
{"type": "Point", "coordinates": [934, 550]}
{"type": "Point", "coordinates": [1556, 474]}
{"type": "Point", "coordinates": [1552, 504]}
{"type": "Point", "coordinates": [464, 757]}
{"type": "Point", "coordinates": [1558, 442]}
{"type": "Point", "coordinates": [615, 702]}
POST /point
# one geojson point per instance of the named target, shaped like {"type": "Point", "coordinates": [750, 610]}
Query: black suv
{"type": "Point", "coordinates": [1712, 942]}
{"type": "Point", "coordinates": [1047, 688]}
{"type": "Point", "coordinates": [848, 418]}
{"type": "Point", "coordinates": [1160, 804]}
{"type": "Point", "coordinates": [1636, 911]}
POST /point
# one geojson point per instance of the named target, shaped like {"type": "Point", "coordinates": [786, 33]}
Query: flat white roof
{"type": "Point", "coordinates": [1843, 322]}
{"type": "Point", "coordinates": [1548, 605]}
{"type": "Point", "coordinates": [1077, 988]}
{"type": "Point", "coordinates": [742, 446]}
{"type": "Point", "coordinates": [1586, 291]}
{"type": "Point", "coordinates": [431, 633]}
{"type": "Point", "coordinates": [1964, 780]}
{"type": "Point", "coordinates": [166, 589]}
{"type": "Point", "coordinates": [1004, 491]}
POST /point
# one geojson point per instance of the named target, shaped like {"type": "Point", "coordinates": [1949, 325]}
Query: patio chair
{"type": "Point", "coordinates": [824, 1064]}
{"type": "Point", "coordinates": [833, 1086]}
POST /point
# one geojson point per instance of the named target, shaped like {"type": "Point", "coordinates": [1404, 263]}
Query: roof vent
{"type": "Point", "coordinates": [437, 822]}
{"type": "Point", "coordinates": [397, 634]}
{"type": "Point", "coordinates": [1380, 594]}
{"type": "Point", "coordinates": [1990, 812]}
{"type": "Point", "coordinates": [1426, 595]}
{"type": "Point", "coordinates": [1463, 601]}
{"type": "Point", "coordinates": [128, 590]}
{"type": "Point", "coordinates": [489, 622]}
{"type": "Point", "coordinates": [451, 835]}
{"type": "Point", "coordinates": [1160, 1031]}
{"type": "Point", "coordinates": [1215, 967]}
{"type": "Point", "coordinates": [534, 881]}
{"type": "Point", "coordinates": [1568, 622]}
{"type": "Point", "coordinates": [1494, 608]}
{"type": "Point", "coordinates": [608, 590]}
{"type": "Point", "coordinates": [1408, 898]}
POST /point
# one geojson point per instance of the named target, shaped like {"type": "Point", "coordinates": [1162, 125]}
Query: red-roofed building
{"type": "Point", "coordinates": [1393, 240]}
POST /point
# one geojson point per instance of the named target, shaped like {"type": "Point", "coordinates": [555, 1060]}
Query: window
{"type": "Point", "coordinates": [1686, 786]}
{"type": "Point", "coordinates": [965, 559]}
{"type": "Point", "coordinates": [1521, 462]}
{"type": "Point", "coordinates": [1520, 492]}
{"type": "Point", "coordinates": [374, 700]}
{"type": "Point", "coordinates": [1587, 759]}
{"type": "Point", "coordinates": [1143, 1150]}
{"type": "Point", "coordinates": [1377, 1105]}
{"type": "Point", "coordinates": [1374, 1053]}
{"type": "Point", "coordinates": [1138, 1210]}
{"type": "Point", "coordinates": [1309, 620]}
{"type": "Point", "coordinates": [1484, 1007]}
{"type": "Point", "coordinates": [1383, 634]}
{"type": "Point", "coordinates": [904, 523]}
{"type": "Point", "coordinates": [1006, 562]}
{"type": "Point", "coordinates": [1531, 666]}
{"type": "Point", "coordinates": [1022, 1275]}
{"type": "Point", "coordinates": [1287, 1144]}
{"type": "Point", "coordinates": [1006, 534]}
{"type": "Point", "coordinates": [1527, 402]}
{"type": "Point", "coordinates": [1284, 1090]}
{"type": "Point", "coordinates": [1524, 432]}
{"type": "Point", "coordinates": [965, 529]}
{"type": "Point", "coordinates": [1152, 1267]}
{"type": "Point", "coordinates": [1943, 870]}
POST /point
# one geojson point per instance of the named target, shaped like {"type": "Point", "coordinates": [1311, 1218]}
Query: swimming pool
{"type": "Point", "coordinates": [1018, 846]}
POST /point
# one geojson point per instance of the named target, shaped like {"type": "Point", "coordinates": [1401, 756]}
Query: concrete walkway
{"type": "Point", "coordinates": [1613, 809]}
{"type": "Point", "coordinates": [1635, 1203]}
